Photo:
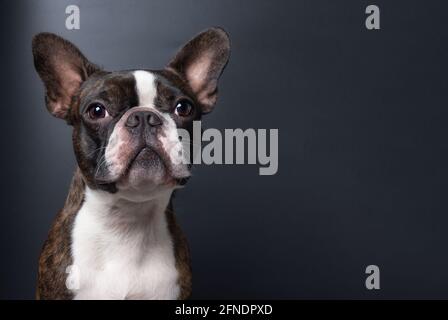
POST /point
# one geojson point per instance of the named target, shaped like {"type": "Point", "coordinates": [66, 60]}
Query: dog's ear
{"type": "Point", "coordinates": [200, 62]}
{"type": "Point", "coordinates": [62, 68]}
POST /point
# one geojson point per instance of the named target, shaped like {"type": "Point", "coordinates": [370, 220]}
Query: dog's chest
{"type": "Point", "coordinates": [116, 262]}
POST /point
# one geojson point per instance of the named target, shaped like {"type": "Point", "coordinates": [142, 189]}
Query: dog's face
{"type": "Point", "coordinates": [126, 123]}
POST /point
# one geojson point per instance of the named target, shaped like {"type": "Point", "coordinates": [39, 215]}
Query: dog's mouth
{"type": "Point", "coordinates": [146, 164]}
{"type": "Point", "coordinates": [150, 165]}
{"type": "Point", "coordinates": [146, 157]}
{"type": "Point", "coordinates": [144, 161]}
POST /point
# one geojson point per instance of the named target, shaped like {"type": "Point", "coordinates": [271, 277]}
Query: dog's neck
{"type": "Point", "coordinates": [114, 237]}
{"type": "Point", "coordinates": [124, 217]}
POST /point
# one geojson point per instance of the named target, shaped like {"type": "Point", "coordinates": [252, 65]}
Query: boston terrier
{"type": "Point", "coordinates": [117, 237]}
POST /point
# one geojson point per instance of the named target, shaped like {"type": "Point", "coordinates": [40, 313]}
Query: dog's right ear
{"type": "Point", "coordinates": [62, 68]}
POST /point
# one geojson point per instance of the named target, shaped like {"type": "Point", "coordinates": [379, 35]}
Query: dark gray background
{"type": "Point", "coordinates": [362, 127]}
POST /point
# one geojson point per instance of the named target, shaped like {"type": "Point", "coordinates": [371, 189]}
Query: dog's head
{"type": "Point", "coordinates": [125, 123]}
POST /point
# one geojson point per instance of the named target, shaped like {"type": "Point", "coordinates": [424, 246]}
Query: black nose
{"type": "Point", "coordinates": [143, 117]}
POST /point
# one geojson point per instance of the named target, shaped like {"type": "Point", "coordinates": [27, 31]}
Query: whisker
{"type": "Point", "coordinates": [99, 165]}
{"type": "Point", "coordinates": [98, 149]}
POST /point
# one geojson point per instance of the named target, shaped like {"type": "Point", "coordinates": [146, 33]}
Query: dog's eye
{"type": "Point", "coordinates": [97, 111]}
{"type": "Point", "coordinates": [183, 108]}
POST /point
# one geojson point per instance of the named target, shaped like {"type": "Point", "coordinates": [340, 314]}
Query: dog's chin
{"type": "Point", "coordinates": [147, 169]}
{"type": "Point", "coordinates": [147, 175]}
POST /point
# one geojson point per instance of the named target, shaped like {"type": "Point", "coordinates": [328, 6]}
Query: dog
{"type": "Point", "coordinates": [116, 236]}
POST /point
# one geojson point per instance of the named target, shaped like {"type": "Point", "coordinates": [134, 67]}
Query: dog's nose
{"type": "Point", "coordinates": [143, 117]}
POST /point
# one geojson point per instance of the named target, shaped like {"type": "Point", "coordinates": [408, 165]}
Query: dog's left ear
{"type": "Point", "coordinates": [201, 62]}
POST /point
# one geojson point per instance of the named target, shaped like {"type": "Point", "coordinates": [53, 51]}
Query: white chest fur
{"type": "Point", "coordinates": [123, 250]}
